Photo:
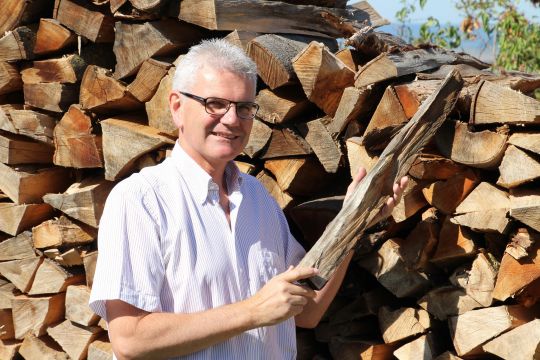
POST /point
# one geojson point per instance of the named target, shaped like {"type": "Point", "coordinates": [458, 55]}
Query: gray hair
{"type": "Point", "coordinates": [218, 54]}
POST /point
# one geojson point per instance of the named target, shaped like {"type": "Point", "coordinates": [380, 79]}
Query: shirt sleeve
{"type": "Point", "coordinates": [130, 263]}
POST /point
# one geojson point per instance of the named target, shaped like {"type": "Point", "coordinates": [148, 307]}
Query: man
{"type": "Point", "coordinates": [195, 258]}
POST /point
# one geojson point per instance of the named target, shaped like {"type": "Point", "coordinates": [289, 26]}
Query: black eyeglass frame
{"type": "Point", "coordinates": [203, 101]}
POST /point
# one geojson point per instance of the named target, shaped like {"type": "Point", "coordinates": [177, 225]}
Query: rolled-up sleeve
{"type": "Point", "coordinates": [130, 262]}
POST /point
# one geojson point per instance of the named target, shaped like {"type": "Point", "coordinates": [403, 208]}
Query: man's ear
{"type": "Point", "coordinates": [175, 103]}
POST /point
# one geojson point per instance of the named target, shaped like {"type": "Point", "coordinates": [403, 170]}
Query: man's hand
{"type": "Point", "coordinates": [281, 298]}
{"type": "Point", "coordinates": [390, 203]}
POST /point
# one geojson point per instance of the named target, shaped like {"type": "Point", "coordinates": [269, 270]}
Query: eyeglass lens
{"type": "Point", "coordinates": [244, 110]}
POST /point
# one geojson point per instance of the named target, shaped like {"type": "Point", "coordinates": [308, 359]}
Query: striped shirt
{"type": "Point", "coordinates": [165, 246]}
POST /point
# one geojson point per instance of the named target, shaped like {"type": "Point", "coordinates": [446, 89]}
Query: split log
{"type": "Point", "coordinates": [322, 75]}
{"type": "Point", "coordinates": [21, 272]}
{"type": "Point", "coordinates": [83, 200]}
{"type": "Point", "coordinates": [387, 66]}
{"type": "Point", "coordinates": [32, 124]}
{"type": "Point", "coordinates": [28, 184]}
{"type": "Point", "coordinates": [245, 167]}
{"type": "Point", "coordinates": [359, 156]}
{"type": "Point", "coordinates": [34, 348]}
{"type": "Point", "coordinates": [378, 352]}
{"type": "Point", "coordinates": [10, 79]}
{"type": "Point", "coordinates": [241, 38]}
{"type": "Point", "coordinates": [157, 109]}
{"type": "Point", "coordinates": [162, 37]}
{"type": "Point", "coordinates": [474, 328]}
{"type": "Point", "coordinates": [248, 15]}
{"type": "Point", "coordinates": [9, 348]}
{"type": "Point", "coordinates": [52, 37]}
{"type": "Point", "coordinates": [77, 309]}
{"type": "Point", "coordinates": [418, 247]}
{"type": "Point", "coordinates": [412, 201]}
{"type": "Point", "coordinates": [7, 331]}
{"type": "Point", "coordinates": [55, 97]}
{"type": "Point", "coordinates": [73, 339]}
{"type": "Point", "coordinates": [456, 243]}
{"type": "Point", "coordinates": [51, 278]}
{"type": "Point", "coordinates": [525, 207]}
{"type": "Point", "coordinates": [354, 105]}
{"type": "Point", "coordinates": [484, 209]}
{"type": "Point", "coordinates": [446, 195]}
{"type": "Point", "coordinates": [147, 5]}
{"type": "Point", "coordinates": [62, 232]}
{"type": "Point", "coordinates": [424, 347]}
{"type": "Point", "coordinates": [521, 242]}
{"type": "Point", "coordinates": [282, 106]}
{"type": "Point", "coordinates": [72, 257]}
{"type": "Point", "coordinates": [446, 301]}
{"type": "Point", "coordinates": [258, 138]}
{"type": "Point", "coordinates": [514, 274]}
{"type": "Point", "coordinates": [519, 343]}
{"type": "Point", "coordinates": [17, 248]}
{"type": "Point", "coordinates": [102, 93]}
{"type": "Point", "coordinates": [352, 58]}
{"type": "Point", "coordinates": [478, 281]}
{"type": "Point", "coordinates": [448, 355]}
{"type": "Point", "coordinates": [273, 55]}
{"type": "Point", "coordinates": [283, 199]}
{"type": "Point", "coordinates": [496, 104]}
{"type": "Point", "coordinates": [295, 175]}
{"type": "Point", "coordinates": [392, 272]}
{"type": "Point", "coordinates": [65, 70]}
{"type": "Point", "coordinates": [17, 13]}
{"type": "Point", "coordinates": [100, 350]}
{"type": "Point", "coordinates": [75, 144]}
{"type": "Point", "coordinates": [285, 143]}
{"type": "Point", "coordinates": [147, 80]}
{"type": "Point", "coordinates": [434, 167]}
{"type": "Point", "coordinates": [86, 20]}
{"type": "Point", "coordinates": [36, 314]}
{"type": "Point", "coordinates": [483, 149]}
{"type": "Point", "coordinates": [320, 140]}
{"type": "Point", "coordinates": [15, 219]}
{"type": "Point", "coordinates": [526, 141]}
{"type": "Point", "coordinates": [125, 141]}
{"type": "Point", "coordinates": [403, 323]}
{"type": "Point", "coordinates": [517, 168]}
{"type": "Point", "coordinates": [17, 44]}
{"type": "Point", "coordinates": [8, 291]}
{"type": "Point", "coordinates": [89, 261]}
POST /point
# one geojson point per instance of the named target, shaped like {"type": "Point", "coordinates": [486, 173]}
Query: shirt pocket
{"type": "Point", "coordinates": [270, 263]}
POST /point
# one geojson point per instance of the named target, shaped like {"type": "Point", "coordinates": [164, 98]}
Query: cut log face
{"type": "Point", "coordinates": [258, 138]}
{"type": "Point", "coordinates": [32, 124]}
{"type": "Point", "coordinates": [162, 37]}
{"type": "Point", "coordinates": [526, 141]}
{"type": "Point", "coordinates": [282, 106]}
{"type": "Point", "coordinates": [484, 209]}
{"type": "Point", "coordinates": [283, 199]}
{"type": "Point", "coordinates": [10, 79]}
{"type": "Point", "coordinates": [65, 70]}
{"type": "Point", "coordinates": [157, 109]}
{"type": "Point", "coordinates": [474, 328]}
{"type": "Point", "coordinates": [479, 281]}
{"type": "Point", "coordinates": [15, 219]}
{"type": "Point", "coordinates": [273, 55]}
{"type": "Point", "coordinates": [52, 37]}
{"type": "Point", "coordinates": [521, 242]}
{"type": "Point", "coordinates": [9, 348]}
{"type": "Point", "coordinates": [85, 20]}
{"type": "Point", "coordinates": [358, 156]}
{"type": "Point", "coordinates": [426, 345]}
{"type": "Point", "coordinates": [400, 324]}
{"type": "Point", "coordinates": [388, 115]}
{"type": "Point", "coordinates": [525, 207]}
{"type": "Point", "coordinates": [17, 44]}
{"type": "Point", "coordinates": [285, 143]}
{"type": "Point", "coordinates": [520, 343]}
{"type": "Point", "coordinates": [484, 149]}
{"type": "Point", "coordinates": [248, 15]}
{"type": "Point", "coordinates": [17, 248]}
{"type": "Point", "coordinates": [7, 332]}
{"type": "Point", "coordinates": [295, 175]}
{"type": "Point", "coordinates": [354, 105]}
{"type": "Point", "coordinates": [28, 184]}
{"type": "Point", "coordinates": [100, 350]}
{"type": "Point", "coordinates": [124, 141]}
{"type": "Point", "coordinates": [322, 143]}
{"type": "Point", "coordinates": [434, 167]}
{"type": "Point", "coordinates": [77, 309]}
{"type": "Point", "coordinates": [446, 301]}
{"type": "Point", "coordinates": [241, 38]}
{"type": "Point", "coordinates": [413, 201]}
{"type": "Point", "coordinates": [34, 348]}
{"type": "Point", "coordinates": [147, 80]}
{"type": "Point", "coordinates": [446, 195]}
{"type": "Point", "coordinates": [455, 244]}
{"type": "Point", "coordinates": [517, 168]}
{"type": "Point", "coordinates": [514, 274]}
{"type": "Point", "coordinates": [16, 149]}
{"type": "Point", "coordinates": [16, 13]}
{"type": "Point", "coordinates": [51, 278]}
{"type": "Point", "coordinates": [55, 97]}
{"type": "Point", "coordinates": [420, 244]}
{"type": "Point", "coordinates": [89, 261]}
{"type": "Point", "coordinates": [74, 339]}
{"type": "Point", "coordinates": [61, 232]}
{"type": "Point", "coordinates": [323, 76]}
{"type": "Point", "coordinates": [100, 92]}
{"type": "Point", "coordinates": [83, 201]}
{"type": "Point", "coordinates": [447, 355]}
{"type": "Point", "coordinates": [21, 272]}
{"type": "Point", "coordinates": [496, 104]}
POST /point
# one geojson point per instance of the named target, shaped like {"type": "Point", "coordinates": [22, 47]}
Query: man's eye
{"type": "Point", "coordinates": [216, 104]}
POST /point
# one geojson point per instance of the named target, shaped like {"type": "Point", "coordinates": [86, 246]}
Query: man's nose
{"type": "Point", "coordinates": [230, 117]}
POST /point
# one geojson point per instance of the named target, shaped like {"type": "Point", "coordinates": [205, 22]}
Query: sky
{"type": "Point", "coordinates": [443, 10]}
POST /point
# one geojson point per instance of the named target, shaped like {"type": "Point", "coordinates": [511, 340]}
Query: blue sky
{"type": "Point", "coordinates": [443, 10]}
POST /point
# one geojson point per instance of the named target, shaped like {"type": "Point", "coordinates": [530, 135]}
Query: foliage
{"type": "Point", "coordinates": [515, 37]}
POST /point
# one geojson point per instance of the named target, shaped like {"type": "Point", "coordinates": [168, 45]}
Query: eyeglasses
{"type": "Point", "coordinates": [217, 106]}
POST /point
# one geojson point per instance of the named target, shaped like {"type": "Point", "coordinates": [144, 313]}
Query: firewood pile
{"type": "Point", "coordinates": [453, 273]}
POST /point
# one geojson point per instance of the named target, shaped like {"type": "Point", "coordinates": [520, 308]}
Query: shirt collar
{"type": "Point", "coordinates": [198, 180]}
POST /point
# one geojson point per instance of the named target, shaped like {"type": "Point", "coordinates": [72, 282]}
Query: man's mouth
{"type": "Point", "coordinates": [224, 135]}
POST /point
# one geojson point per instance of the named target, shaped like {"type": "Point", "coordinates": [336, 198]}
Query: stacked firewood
{"type": "Point", "coordinates": [83, 104]}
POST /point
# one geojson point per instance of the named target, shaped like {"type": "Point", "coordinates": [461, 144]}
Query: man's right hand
{"type": "Point", "coordinates": [281, 298]}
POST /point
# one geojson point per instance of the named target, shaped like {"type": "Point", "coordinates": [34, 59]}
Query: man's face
{"type": "Point", "coordinates": [212, 140]}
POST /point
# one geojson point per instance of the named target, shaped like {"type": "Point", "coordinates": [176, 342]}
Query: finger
{"type": "Point", "coordinates": [299, 273]}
